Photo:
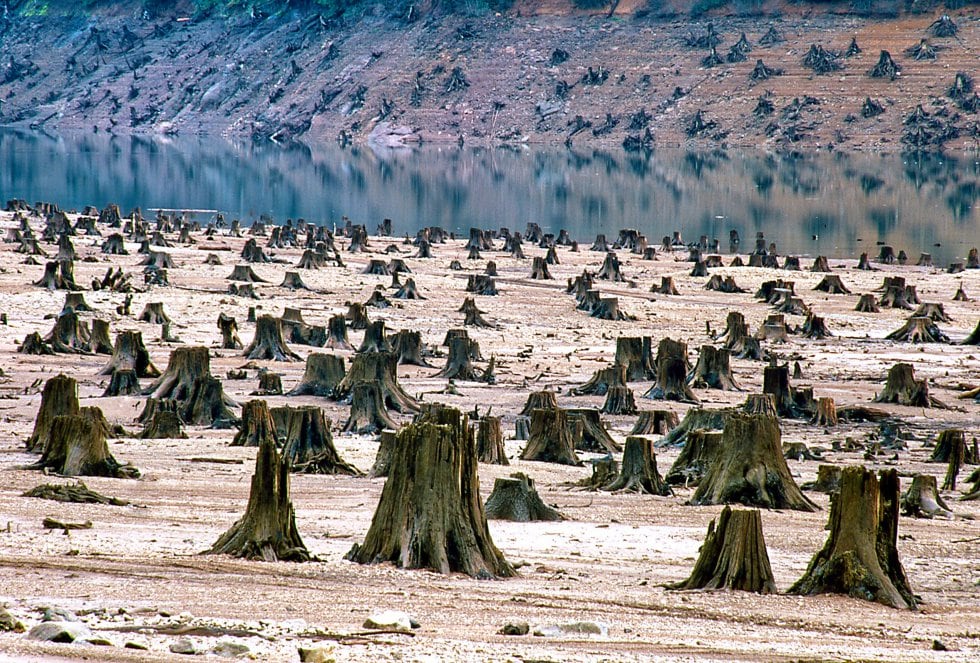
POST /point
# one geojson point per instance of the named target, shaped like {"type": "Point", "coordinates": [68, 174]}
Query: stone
{"type": "Point", "coordinates": [183, 646]}
{"type": "Point", "coordinates": [60, 632]}
{"type": "Point", "coordinates": [228, 649]}
{"type": "Point", "coordinates": [9, 623]}
{"type": "Point", "coordinates": [515, 628]}
{"type": "Point", "coordinates": [394, 620]}
{"type": "Point", "coordinates": [132, 644]}
{"type": "Point", "coordinates": [574, 628]}
{"type": "Point", "coordinates": [58, 615]}
{"type": "Point", "coordinates": [317, 655]}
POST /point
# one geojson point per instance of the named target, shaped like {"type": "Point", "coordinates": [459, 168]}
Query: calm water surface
{"type": "Point", "coordinates": [835, 205]}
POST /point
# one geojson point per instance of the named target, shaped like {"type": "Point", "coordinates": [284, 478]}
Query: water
{"type": "Point", "coordinates": [834, 205]}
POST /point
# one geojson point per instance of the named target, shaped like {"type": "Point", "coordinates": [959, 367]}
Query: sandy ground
{"type": "Point", "coordinates": [139, 568]}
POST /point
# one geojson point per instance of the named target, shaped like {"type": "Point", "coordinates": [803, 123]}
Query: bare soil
{"type": "Point", "coordinates": [138, 575]}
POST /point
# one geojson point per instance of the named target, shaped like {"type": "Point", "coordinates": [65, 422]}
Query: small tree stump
{"type": "Point", "coordinates": [602, 380]}
{"type": "Point", "coordinates": [750, 468]}
{"type": "Point", "coordinates": [820, 264]}
{"type": "Point", "coordinates": [827, 481]}
{"type": "Point", "coordinates": [257, 425]}
{"type": "Point", "coordinates": [77, 447]}
{"type": "Point", "coordinates": [58, 397]}
{"type": "Point", "coordinates": [321, 376]}
{"type": "Point", "coordinates": [473, 316]}
{"type": "Point", "coordinates": [490, 441]}
{"type": "Point", "coordinates": [826, 414]}
{"type": "Point", "coordinates": [922, 499]}
{"type": "Point", "coordinates": [860, 557]}
{"type": "Point", "coordinates": [430, 515]}
{"type": "Point", "coordinates": [164, 425]}
{"type": "Point", "coordinates": [918, 329]}
{"type": "Point", "coordinates": [666, 286]}
{"type": "Point", "coordinates": [268, 342]}
{"type": "Point", "coordinates": [122, 383]}
{"type": "Point", "coordinates": [308, 445]}
{"type": "Point", "coordinates": [638, 472]}
{"type": "Point", "coordinates": [515, 498]}
{"type": "Point", "coordinates": [407, 346]}
{"type": "Point", "coordinates": [655, 422]}
{"type": "Point", "coordinates": [832, 284]}
{"type": "Point", "coordinates": [154, 314]}
{"type": "Point", "coordinates": [293, 281]}
{"type": "Point", "coordinates": [188, 381]}
{"type": "Point", "coordinates": [713, 370]}
{"type": "Point", "coordinates": [379, 367]}
{"type": "Point", "coordinates": [902, 388]}
{"type": "Point", "coordinates": [229, 332]}
{"type": "Point", "coordinates": [867, 304]}
{"type": "Point", "coordinates": [270, 384]}
{"type": "Point", "coordinates": [458, 364]}
{"type": "Point", "coordinates": [550, 440]}
{"type": "Point", "coordinates": [619, 400]}
{"type": "Point", "coordinates": [672, 368]}
{"type": "Point", "coordinates": [539, 269]}
{"type": "Point", "coordinates": [130, 353]}
{"type": "Point", "coordinates": [408, 290]}
{"type": "Point", "coordinates": [700, 450]}
{"type": "Point", "coordinates": [733, 556]}
{"type": "Point", "coordinates": [536, 400]}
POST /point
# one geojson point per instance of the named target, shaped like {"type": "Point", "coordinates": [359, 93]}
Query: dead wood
{"type": "Point", "coordinates": [430, 515]}
{"type": "Point", "coordinates": [672, 368]}
{"type": "Point", "coordinates": [826, 414]}
{"type": "Point", "coordinates": [922, 499]}
{"type": "Point", "coordinates": [321, 376]}
{"type": "Point", "coordinates": [164, 424]}
{"type": "Point", "coordinates": [902, 388]}
{"type": "Point", "coordinates": [154, 314]}
{"type": "Point", "coordinates": [638, 473]}
{"type": "Point", "coordinates": [58, 397]}
{"type": "Point", "coordinates": [245, 274]}
{"type": "Point", "coordinates": [268, 342]}
{"type": "Point", "coordinates": [550, 438]}
{"type": "Point", "coordinates": [666, 286]}
{"type": "Point", "coordinates": [473, 316]}
{"type": "Point", "coordinates": [539, 269]}
{"type": "Point", "coordinates": [76, 493]}
{"type": "Point", "coordinates": [918, 329]}
{"type": "Point", "coordinates": [815, 327]}
{"type": "Point", "coordinates": [613, 375]}
{"type": "Point", "coordinates": [933, 311]}
{"type": "Point", "coordinates": [619, 400]}
{"type": "Point", "coordinates": [368, 412]}
{"type": "Point", "coordinates": [33, 344]}
{"type": "Point", "coordinates": [635, 354]}
{"type": "Point", "coordinates": [122, 383]}
{"type": "Point", "coordinates": [188, 381]}
{"type": "Point", "coordinates": [588, 433]}
{"type": "Point", "coordinates": [229, 332]}
{"type": "Point", "coordinates": [831, 283]}
{"type": "Point", "coordinates": [130, 353]}
{"type": "Point", "coordinates": [308, 445]}
{"type": "Point", "coordinates": [408, 291]}
{"type": "Point", "coordinates": [386, 451]}
{"type": "Point", "coordinates": [257, 425]}
{"type": "Point", "coordinates": [378, 367]}
{"type": "Point", "coordinates": [655, 422]}
{"type": "Point", "coordinates": [701, 449]}
{"type": "Point", "coordinates": [860, 557]}
{"type": "Point", "coordinates": [490, 441]}
{"type": "Point", "coordinates": [713, 370]}
{"type": "Point", "coordinates": [516, 499]}
{"type": "Point", "coordinates": [536, 400]}
{"type": "Point", "coordinates": [733, 556]}
{"type": "Point", "coordinates": [337, 333]}
{"type": "Point", "coordinates": [70, 335]}
{"type": "Point", "coordinates": [77, 447]}
{"type": "Point", "coordinates": [867, 304]}
{"type": "Point", "coordinates": [407, 346]}
{"type": "Point", "coordinates": [375, 338]}
{"type": "Point", "coordinates": [270, 384]}
{"type": "Point", "coordinates": [827, 481]}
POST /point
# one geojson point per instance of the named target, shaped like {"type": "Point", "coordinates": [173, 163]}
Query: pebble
{"type": "Point", "coordinates": [9, 623]}
{"type": "Point", "coordinates": [58, 615]}
{"type": "Point", "coordinates": [317, 655]}
{"type": "Point", "coordinates": [132, 644]}
{"type": "Point", "coordinates": [183, 646]}
{"type": "Point", "coordinates": [574, 628]}
{"type": "Point", "coordinates": [515, 628]}
{"type": "Point", "coordinates": [60, 632]}
{"type": "Point", "coordinates": [227, 649]}
{"type": "Point", "coordinates": [391, 619]}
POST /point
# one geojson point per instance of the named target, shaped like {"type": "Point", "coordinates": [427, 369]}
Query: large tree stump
{"type": "Point", "coordinates": [671, 381]}
{"type": "Point", "coordinates": [99, 342]}
{"type": "Point", "coordinates": [308, 446]}
{"type": "Point", "coordinates": [736, 332]}
{"type": "Point", "coordinates": [77, 447]}
{"type": "Point", "coordinates": [490, 441]}
{"type": "Point", "coordinates": [257, 425]}
{"type": "Point", "coordinates": [430, 515]}
{"type": "Point", "coordinates": [154, 314]}
{"type": "Point", "coordinates": [696, 418]}
{"type": "Point", "coordinates": [58, 397]}
{"type": "Point", "coordinates": [733, 556]}
{"type": "Point", "coordinates": [602, 380]}
{"type": "Point", "coordinates": [713, 370]}
{"type": "Point", "coordinates": [375, 338]}
{"type": "Point", "coordinates": [539, 400]}
{"type": "Point", "coordinates": [922, 499]}
{"type": "Point", "coordinates": [588, 433]}
{"type": "Point", "coordinates": [229, 332]}
{"type": "Point", "coordinates": [337, 333]}
{"type": "Point", "coordinates": [268, 342]}
{"type": "Point", "coordinates": [122, 383]}
{"type": "Point", "coordinates": [368, 413]}
{"type": "Point", "coordinates": [539, 269]}
{"type": "Point", "coordinates": [638, 471]}
{"type": "Point", "coordinates": [458, 365]}
{"type": "Point", "coordinates": [635, 353]}
{"type": "Point", "coordinates": [655, 422]}
{"type": "Point", "coordinates": [267, 531]}
{"type": "Point", "coordinates": [860, 557]}
{"type": "Point", "coordinates": [918, 329]}
{"type": "Point", "coordinates": [199, 395]}
{"type": "Point", "coordinates": [164, 425]}
{"type": "Point", "coordinates": [378, 367]}
{"type": "Point", "coordinates": [473, 316]}
{"type": "Point", "coordinates": [70, 335]}
{"type": "Point", "coordinates": [619, 400]}
{"type": "Point", "coordinates": [867, 304]}
{"type": "Point", "coordinates": [130, 353]}
{"type": "Point", "coordinates": [321, 376]}
{"type": "Point", "coordinates": [902, 388]}
{"type": "Point", "coordinates": [407, 346]}
{"type": "Point", "coordinates": [701, 449]}
{"type": "Point", "coordinates": [750, 468]}
{"type": "Point", "coordinates": [775, 381]}
{"type": "Point", "coordinates": [550, 439]}
{"type": "Point", "coordinates": [515, 498]}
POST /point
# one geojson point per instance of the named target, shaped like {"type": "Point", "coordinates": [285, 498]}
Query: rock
{"type": "Point", "coordinates": [132, 644]}
{"type": "Point", "coordinates": [227, 649]}
{"type": "Point", "coordinates": [391, 620]}
{"type": "Point", "coordinates": [58, 615]}
{"type": "Point", "coordinates": [317, 655]}
{"type": "Point", "coordinates": [937, 645]}
{"type": "Point", "coordinates": [515, 628]}
{"type": "Point", "coordinates": [60, 632]}
{"type": "Point", "coordinates": [9, 623]}
{"type": "Point", "coordinates": [100, 641]}
{"type": "Point", "coordinates": [574, 628]}
{"type": "Point", "coordinates": [183, 646]}
{"type": "Point", "coordinates": [388, 136]}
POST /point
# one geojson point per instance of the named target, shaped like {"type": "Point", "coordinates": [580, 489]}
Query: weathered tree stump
{"type": "Point", "coordinates": [666, 286]}
{"type": "Point", "coordinates": [713, 370]}
{"type": "Point", "coordinates": [750, 468]}
{"type": "Point", "coordinates": [368, 412]}
{"type": "Point", "coordinates": [386, 451]}
{"type": "Point", "coordinates": [775, 381]}
{"type": "Point", "coordinates": [860, 558]}
{"type": "Point", "coordinates": [268, 342]}
{"type": "Point", "coordinates": [70, 335]}
{"type": "Point", "coordinates": [229, 332]}
{"type": "Point", "coordinates": [267, 531]}
{"type": "Point", "coordinates": [588, 433]}
{"type": "Point", "coordinates": [826, 414]}
{"type": "Point", "coordinates": [257, 425]}
{"type": "Point", "coordinates": [638, 473]}
{"type": "Point", "coordinates": [378, 299]}
{"type": "Point", "coordinates": [122, 383]}
{"type": "Point", "coordinates": [188, 381]}
{"type": "Point", "coordinates": [33, 344]}
{"type": "Point", "coordinates": [154, 314]}
{"type": "Point", "coordinates": [77, 447]}
{"type": "Point", "coordinates": [490, 441]}
{"type": "Point", "coordinates": [408, 291]}
{"type": "Point", "coordinates": [379, 367]}
{"type": "Point", "coordinates": [458, 364]}
{"type": "Point", "coordinates": [407, 346]}
{"type": "Point", "coordinates": [867, 304]}
{"type": "Point", "coordinates": [430, 515]}
{"type": "Point", "coordinates": [974, 337]}
{"type": "Point", "coordinates": [733, 556]}
{"type": "Point", "coordinates": [701, 449]}
{"type": "Point", "coordinates": [539, 400]}
{"type": "Point", "coordinates": [655, 422]}
{"type": "Point", "coordinates": [550, 438]}
{"type": "Point", "coordinates": [539, 269]}
{"type": "Point", "coordinates": [308, 445]}
{"type": "Point", "coordinates": [130, 353]}
{"type": "Point", "coordinates": [58, 397]}
{"type": "Point", "coordinates": [602, 380]}
{"type": "Point", "coordinates": [99, 342]}
{"type": "Point", "coordinates": [607, 308]}
{"type": "Point", "coordinates": [671, 381]}
{"type": "Point", "coordinates": [270, 384]}
{"type": "Point", "coordinates": [895, 297]}
{"type": "Point", "coordinates": [918, 329]}
{"type": "Point", "coordinates": [164, 425]}
{"type": "Point", "coordinates": [321, 376]}
{"type": "Point", "coordinates": [922, 499]}
{"type": "Point", "coordinates": [948, 442]}
{"type": "Point", "coordinates": [957, 456]}
{"type": "Point", "coordinates": [375, 338]}
{"type": "Point", "coordinates": [473, 316]}
{"type": "Point", "coordinates": [337, 334]}
{"type": "Point", "coordinates": [902, 388]}
{"type": "Point", "coordinates": [357, 317]}
{"type": "Point", "coordinates": [515, 498]}
{"type": "Point", "coordinates": [481, 284]}
{"type": "Point", "coordinates": [635, 354]}
{"type": "Point", "coordinates": [833, 285]}
{"type": "Point", "coordinates": [619, 400]}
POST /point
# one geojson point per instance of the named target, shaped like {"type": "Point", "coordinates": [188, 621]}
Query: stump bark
{"type": "Point", "coordinates": [713, 370]}
{"type": "Point", "coordinates": [188, 381]}
{"type": "Point", "coordinates": [368, 413]}
{"type": "Point", "coordinates": [902, 388]}
{"type": "Point", "coordinates": [701, 449]}
{"type": "Point", "coordinates": [257, 425]}
{"type": "Point", "coordinates": [550, 439]}
{"type": "Point", "coordinates": [58, 397]}
{"type": "Point", "coordinates": [430, 515]}
{"type": "Point", "coordinates": [733, 556]}
{"type": "Point", "coordinates": [77, 447]}
{"type": "Point", "coordinates": [826, 414]}
{"type": "Point", "coordinates": [619, 400]}
{"type": "Point", "coordinates": [229, 332]}
{"type": "Point", "coordinates": [268, 530]}
{"type": "Point", "coordinates": [638, 470]}
{"type": "Point", "coordinates": [922, 499]}
{"type": "Point", "coordinates": [165, 424]}
{"type": "Point", "coordinates": [375, 338]}
{"type": "Point", "coordinates": [635, 353]}
{"type": "Point", "coordinates": [268, 342]}
{"type": "Point", "coordinates": [130, 353]}
{"type": "Point", "coordinates": [516, 499]}
{"type": "Point", "coordinates": [308, 446]}
{"type": "Point", "coordinates": [860, 557]}
{"type": "Point", "coordinates": [321, 376]}
{"type": "Point", "coordinates": [588, 433]}
{"type": "Point", "coordinates": [122, 383]}
{"type": "Point", "coordinates": [750, 468]}
{"type": "Point", "coordinates": [490, 441]}
{"type": "Point", "coordinates": [381, 368]}
{"type": "Point", "coordinates": [655, 422]}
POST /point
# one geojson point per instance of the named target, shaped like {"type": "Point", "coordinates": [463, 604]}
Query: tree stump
{"type": "Point", "coordinates": [826, 414]}
{"type": "Point", "coordinates": [832, 284]}
{"type": "Point", "coordinates": [619, 400]}
{"type": "Point", "coordinates": [588, 433]}
{"type": "Point", "coordinates": [956, 457]}
{"type": "Point", "coordinates": [154, 314]}
{"type": "Point", "coordinates": [860, 558]}
{"type": "Point", "coordinates": [974, 337]}
{"type": "Point", "coordinates": [638, 473]}
{"type": "Point", "coordinates": [918, 329]}
{"type": "Point", "coordinates": [902, 388]}
{"type": "Point", "coordinates": [458, 365]}
{"type": "Point", "coordinates": [539, 269]}
{"type": "Point", "coordinates": [473, 316]}
{"type": "Point", "coordinates": [733, 556]}
{"type": "Point", "coordinates": [515, 498]}
{"type": "Point", "coordinates": [257, 425]}
{"type": "Point", "coordinates": [188, 381]}
{"type": "Point", "coordinates": [268, 342]}
{"type": "Point", "coordinates": [607, 308]}
{"type": "Point", "coordinates": [713, 370]}
{"type": "Point", "coordinates": [321, 376]}
{"type": "Point", "coordinates": [635, 353]}
{"type": "Point", "coordinates": [490, 441]}
{"type": "Point", "coordinates": [827, 481]}
{"type": "Point", "coordinates": [77, 447]}
{"type": "Point", "coordinates": [867, 304]}
{"type": "Point", "coordinates": [701, 449]}
{"type": "Point", "coordinates": [407, 346]}
{"type": "Point", "coordinates": [378, 367]}
{"type": "Point", "coordinates": [267, 531]}
{"type": "Point", "coordinates": [948, 442]}
{"type": "Point", "coordinates": [164, 425]}
{"type": "Point", "coordinates": [750, 468]}
{"type": "Point", "coordinates": [229, 332]}
{"type": "Point", "coordinates": [375, 338]}
{"type": "Point", "coordinates": [671, 381]}
{"type": "Point", "coordinates": [550, 439]}
{"type": "Point", "coordinates": [667, 286]}
{"type": "Point", "coordinates": [655, 422]}
{"type": "Point", "coordinates": [130, 354]}
{"type": "Point", "coordinates": [293, 281]}
{"type": "Point", "coordinates": [357, 317]}
{"type": "Point", "coordinates": [815, 327]}
{"type": "Point", "coordinates": [69, 335]}
{"type": "Point", "coordinates": [308, 446]}
{"type": "Point", "coordinates": [895, 297]}
{"type": "Point", "coordinates": [337, 334]}
{"type": "Point", "coordinates": [122, 383]}
{"type": "Point", "coordinates": [775, 381]}
{"type": "Point", "coordinates": [481, 284]}
{"type": "Point", "coordinates": [368, 413]}
{"type": "Point", "coordinates": [430, 515]}
{"type": "Point", "coordinates": [34, 345]}
{"type": "Point", "coordinates": [536, 400]}
{"type": "Point", "coordinates": [602, 380]}
{"type": "Point", "coordinates": [58, 397]}
{"type": "Point", "coordinates": [270, 384]}
{"type": "Point", "coordinates": [408, 291]}
{"type": "Point", "coordinates": [922, 499]}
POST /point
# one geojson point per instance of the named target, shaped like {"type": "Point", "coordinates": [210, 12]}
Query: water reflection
{"type": "Point", "coordinates": [837, 205]}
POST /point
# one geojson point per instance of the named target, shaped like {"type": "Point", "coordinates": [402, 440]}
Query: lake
{"type": "Point", "coordinates": [828, 204]}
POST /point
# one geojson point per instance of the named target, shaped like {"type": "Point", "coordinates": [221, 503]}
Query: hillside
{"type": "Point", "coordinates": [541, 72]}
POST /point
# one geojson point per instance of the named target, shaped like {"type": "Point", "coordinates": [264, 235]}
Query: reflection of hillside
{"type": "Point", "coordinates": [847, 202]}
